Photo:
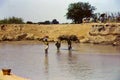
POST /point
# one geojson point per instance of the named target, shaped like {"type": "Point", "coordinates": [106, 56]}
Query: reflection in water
{"type": "Point", "coordinates": [70, 53]}
{"type": "Point", "coordinates": [46, 64]}
{"type": "Point", "coordinates": [118, 48]}
{"type": "Point", "coordinates": [58, 52]}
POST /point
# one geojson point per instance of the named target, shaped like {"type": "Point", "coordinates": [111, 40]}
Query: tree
{"type": "Point", "coordinates": [47, 22]}
{"type": "Point", "coordinates": [29, 22]}
{"type": "Point", "coordinates": [78, 11]}
{"type": "Point", "coordinates": [54, 21]}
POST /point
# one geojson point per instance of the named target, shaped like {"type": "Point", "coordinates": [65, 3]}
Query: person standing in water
{"type": "Point", "coordinates": [45, 40]}
{"type": "Point", "coordinates": [69, 44]}
{"type": "Point", "coordinates": [58, 45]}
{"type": "Point", "coordinates": [46, 48]}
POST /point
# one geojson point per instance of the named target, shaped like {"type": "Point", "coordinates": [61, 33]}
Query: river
{"type": "Point", "coordinates": [83, 62]}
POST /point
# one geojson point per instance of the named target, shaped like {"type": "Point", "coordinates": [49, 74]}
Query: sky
{"type": "Point", "coordinates": [42, 10]}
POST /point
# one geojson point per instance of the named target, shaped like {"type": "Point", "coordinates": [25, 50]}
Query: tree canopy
{"type": "Point", "coordinates": [54, 21]}
{"type": "Point", "coordinates": [78, 11]}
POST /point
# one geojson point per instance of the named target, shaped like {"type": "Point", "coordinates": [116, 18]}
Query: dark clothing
{"type": "Point", "coordinates": [69, 47]}
{"type": "Point", "coordinates": [58, 44]}
{"type": "Point", "coordinates": [69, 44]}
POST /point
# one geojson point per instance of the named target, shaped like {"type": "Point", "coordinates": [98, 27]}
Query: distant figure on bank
{"type": "Point", "coordinates": [45, 40]}
{"type": "Point", "coordinates": [58, 45]}
{"type": "Point", "coordinates": [69, 44]}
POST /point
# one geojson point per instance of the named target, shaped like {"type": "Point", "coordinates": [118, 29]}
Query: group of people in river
{"type": "Point", "coordinates": [57, 44]}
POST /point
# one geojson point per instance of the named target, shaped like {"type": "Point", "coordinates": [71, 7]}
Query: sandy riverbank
{"type": "Point", "coordinates": [107, 33]}
{"type": "Point", "coordinates": [35, 31]}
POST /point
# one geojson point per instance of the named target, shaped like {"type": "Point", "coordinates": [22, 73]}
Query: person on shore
{"type": "Point", "coordinates": [69, 44]}
{"type": "Point", "coordinates": [58, 45]}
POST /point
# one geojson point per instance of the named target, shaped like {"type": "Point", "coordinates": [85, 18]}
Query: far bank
{"type": "Point", "coordinates": [105, 33]}
{"type": "Point", "coordinates": [15, 32]}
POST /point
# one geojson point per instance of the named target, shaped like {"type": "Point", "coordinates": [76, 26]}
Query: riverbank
{"type": "Point", "coordinates": [98, 33]}
{"type": "Point", "coordinates": [17, 32]}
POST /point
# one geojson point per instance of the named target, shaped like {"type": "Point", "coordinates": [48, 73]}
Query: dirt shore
{"type": "Point", "coordinates": [12, 32]}
{"type": "Point", "coordinates": [107, 33]}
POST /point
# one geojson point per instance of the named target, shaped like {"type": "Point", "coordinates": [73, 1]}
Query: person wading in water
{"type": "Point", "coordinates": [69, 44]}
{"type": "Point", "coordinates": [58, 45]}
{"type": "Point", "coordinates": [45, 40]}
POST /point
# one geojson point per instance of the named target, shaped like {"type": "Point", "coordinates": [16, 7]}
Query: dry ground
{"type": "Point", "coordinates": [53, 31]}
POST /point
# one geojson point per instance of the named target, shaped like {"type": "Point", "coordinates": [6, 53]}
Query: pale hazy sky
{"type": "Point", "coordinates": [42, 10]}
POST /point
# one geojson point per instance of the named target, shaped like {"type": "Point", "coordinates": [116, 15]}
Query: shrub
{"type": "Point", "coordinates": [12, 20]}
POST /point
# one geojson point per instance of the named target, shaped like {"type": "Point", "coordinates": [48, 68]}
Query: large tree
{"type": "Point", "coordinates": [77, 11]}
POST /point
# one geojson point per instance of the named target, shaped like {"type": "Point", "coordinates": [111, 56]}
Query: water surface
{"type": "Point", "coordinates": [84, 62]}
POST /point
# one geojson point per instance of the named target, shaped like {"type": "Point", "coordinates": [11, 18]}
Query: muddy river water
{"type": "Point", "coordinates": [83, 62]}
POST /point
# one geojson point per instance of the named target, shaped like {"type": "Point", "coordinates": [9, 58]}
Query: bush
{"type": "Point", "coordinates": [63, 37]}
{"type": "Point", "coordinates": [29, 22]}
{"type": "Point", "coordinates": [68, 37]}
{"type": "Point", "coordinates": [12, 20]}
{"type": "Point", "coordinates": [45, 22]}
{"type": "Point", "coordinates": [54, 21]}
